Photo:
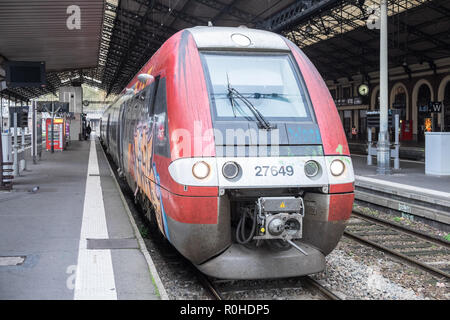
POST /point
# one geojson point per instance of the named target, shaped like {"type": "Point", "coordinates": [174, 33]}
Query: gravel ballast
{"type": "Point", "coordinates": [354, 271]}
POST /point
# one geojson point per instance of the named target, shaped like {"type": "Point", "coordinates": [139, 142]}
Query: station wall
{"type": "Point", "coordinates": [409, 92]}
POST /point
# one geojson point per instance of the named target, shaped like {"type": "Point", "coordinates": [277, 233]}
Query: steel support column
{"type": "Point", "coordinates": [383, 146]}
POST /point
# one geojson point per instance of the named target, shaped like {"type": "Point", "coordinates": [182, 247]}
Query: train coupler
{"type": "Point", "coordinates": [279, 218]}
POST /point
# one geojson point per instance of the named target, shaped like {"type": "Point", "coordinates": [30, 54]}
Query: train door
{"type": "Point", "coordinates": [107, 130]}
{"type": "Point", "coordinates": [133, 156]}
{"type": "Point", "coordinates": [121, 135]}
{"type": "Point", "coordinates": [127, 139]}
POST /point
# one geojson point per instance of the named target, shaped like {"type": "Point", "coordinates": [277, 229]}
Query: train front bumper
{"type": "Point", "coordinates": [239, 262]}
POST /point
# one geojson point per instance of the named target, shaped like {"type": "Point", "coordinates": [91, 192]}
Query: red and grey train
{"type": "Point", "coordinates": [232, 143]}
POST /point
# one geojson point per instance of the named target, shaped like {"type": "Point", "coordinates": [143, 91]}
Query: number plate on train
{"type": "Point", "coordinates": [264, 171]}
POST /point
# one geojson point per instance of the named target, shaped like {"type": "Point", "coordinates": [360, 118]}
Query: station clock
{"type": "Point", "coordinates": [363, 89]}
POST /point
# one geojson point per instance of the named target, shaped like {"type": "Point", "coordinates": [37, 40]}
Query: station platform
{"type": "Point", "coordinates": [73, 238]}
{"type": "Point", "coordinates": [408, 189]}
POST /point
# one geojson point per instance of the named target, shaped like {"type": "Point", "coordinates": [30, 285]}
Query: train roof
{"type": "Point", "coordinates": [231, 38]}
{"type": "Point", "coordinates": [239, 38]}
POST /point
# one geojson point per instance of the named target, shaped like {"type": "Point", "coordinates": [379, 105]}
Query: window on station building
{"type": "Point", "coordinates": [333, 93]}
{"type": "Point", "coordinates": [424, 121]}
{"type": "Point", "coordinates": [446, 107]}
{"type": "Point", "coordinates": [346, 92]}
{"type": "Point", "coordinates": [377, 101]}
{"type": "Point", "coordinates": [399, 99]}
{"type": "Point", "coordinates": [424, 96]}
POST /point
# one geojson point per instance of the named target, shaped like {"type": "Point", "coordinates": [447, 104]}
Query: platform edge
{"type": "Point", "coordinates": [154, 273]}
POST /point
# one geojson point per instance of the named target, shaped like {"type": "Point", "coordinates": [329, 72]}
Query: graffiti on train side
{"type": "Point", "coordinates": [141, 169]}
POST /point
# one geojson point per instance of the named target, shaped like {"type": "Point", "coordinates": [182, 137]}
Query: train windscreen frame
{"type": "Point", "coordinates": [276, 90]}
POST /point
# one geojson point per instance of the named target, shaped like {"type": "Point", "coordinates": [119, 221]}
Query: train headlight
{"type": "Point", "coordinates": [230, 170]}
{"type": "Point", "coordinates": [201, 170]}
{"type": "Point", "coordinates": [337, 167]}
{"type": "Point", "coordinates": [311, 168]}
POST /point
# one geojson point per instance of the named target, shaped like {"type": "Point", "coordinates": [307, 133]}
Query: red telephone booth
{"type": "Point", "coordinates": [59, 136]}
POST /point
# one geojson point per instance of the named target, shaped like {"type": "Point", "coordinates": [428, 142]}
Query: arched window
{"type": "Point", "coordinates": [424, 96]}
{"type": "Point", "coordinates": [399, 98]}
{"type": "Point", "coordinates": [446, 105]}
{"type": "Point", "coordinates": [424, 119]}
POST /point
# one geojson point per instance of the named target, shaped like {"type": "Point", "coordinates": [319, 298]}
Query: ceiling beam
{"type": "Point", "coordinates": [132, 43]}
{"type": "Point", "coordinates": [295, 13]}
{"type": "Point", "coordinates": [230, 9]}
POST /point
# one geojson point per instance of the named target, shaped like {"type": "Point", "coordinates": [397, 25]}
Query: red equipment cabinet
{"type": "Point", "coordinates": [407, 128]}
{"type": "Point", "coordinates": [59, 136]}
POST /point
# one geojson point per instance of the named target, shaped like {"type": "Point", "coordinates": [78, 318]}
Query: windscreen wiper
{"type": "Point", "coordinates": [263, 122]}
{"type": "Point", "coordinates": [275, 96]}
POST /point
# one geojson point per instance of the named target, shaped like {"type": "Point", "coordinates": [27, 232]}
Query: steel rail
{"type": "Point", "coordinates": [397, 254]}
{"type": "Point", "coordinates": [323, 290]}
{"type": "Point", "coordinates": [405, 229]}
{"type": "Point", "coordinates": [313, 285]}
{"type": "Point", "coordinates": [208, 285]}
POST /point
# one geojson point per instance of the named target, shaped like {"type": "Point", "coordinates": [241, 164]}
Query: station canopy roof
{"type": "Point", "coordinates": [117, 37]}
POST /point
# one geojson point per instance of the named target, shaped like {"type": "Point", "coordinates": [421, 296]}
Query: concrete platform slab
{"type": "Point", "coordinates": [408, 190]}
{"type": "Point", "coordinates": [45, 229]}
{"type": "Point", "coordinates": [411, 175]}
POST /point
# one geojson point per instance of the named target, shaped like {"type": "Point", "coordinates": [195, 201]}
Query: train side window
{"type": "Point", "coordinates": [161, 133]}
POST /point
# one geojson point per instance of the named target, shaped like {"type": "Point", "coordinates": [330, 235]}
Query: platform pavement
{"type": "Point", "coordinates": [45, 228]}
{"type": "Point", "coordinates": [428, 193]}
{"type": "Point", "coordinates": [411, 173]}
{"type": "Point", "coordinates": [408, 149]}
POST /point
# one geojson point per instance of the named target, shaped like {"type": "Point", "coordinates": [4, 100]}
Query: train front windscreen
{"type": "Point", "coordinates": [255, 87]}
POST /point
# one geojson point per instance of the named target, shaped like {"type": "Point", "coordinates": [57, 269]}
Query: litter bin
{"type": "Point", "coordinates": [437, 153]}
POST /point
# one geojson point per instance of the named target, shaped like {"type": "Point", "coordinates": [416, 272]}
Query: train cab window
{"type": "Point", "coordinates": [161, 133]}
{"type": "Point", "coordinates": [270, 82]}
{"type": "Point", "coordinates": [151, 92]}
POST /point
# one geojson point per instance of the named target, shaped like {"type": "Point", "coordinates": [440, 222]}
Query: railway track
{"type": "Point", "coordinates": [184, 275]}
{"type": "Point", "coordinates": [325, 292]}
{"type": "Point", "coordinates": [426, 252]}
{"type": "Point", "coordinates": [186, 282]}
{"type": "Point", "coordinates": [220, 289]}
{"type": "Point", "coordinates": [421, 207]}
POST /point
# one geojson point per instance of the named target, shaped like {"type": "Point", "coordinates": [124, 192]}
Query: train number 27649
{"type": "Point", "coordinates": [262, 171]}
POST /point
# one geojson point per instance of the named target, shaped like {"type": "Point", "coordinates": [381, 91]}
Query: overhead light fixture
{"type": "Point", "coordinates": [309, 28]}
